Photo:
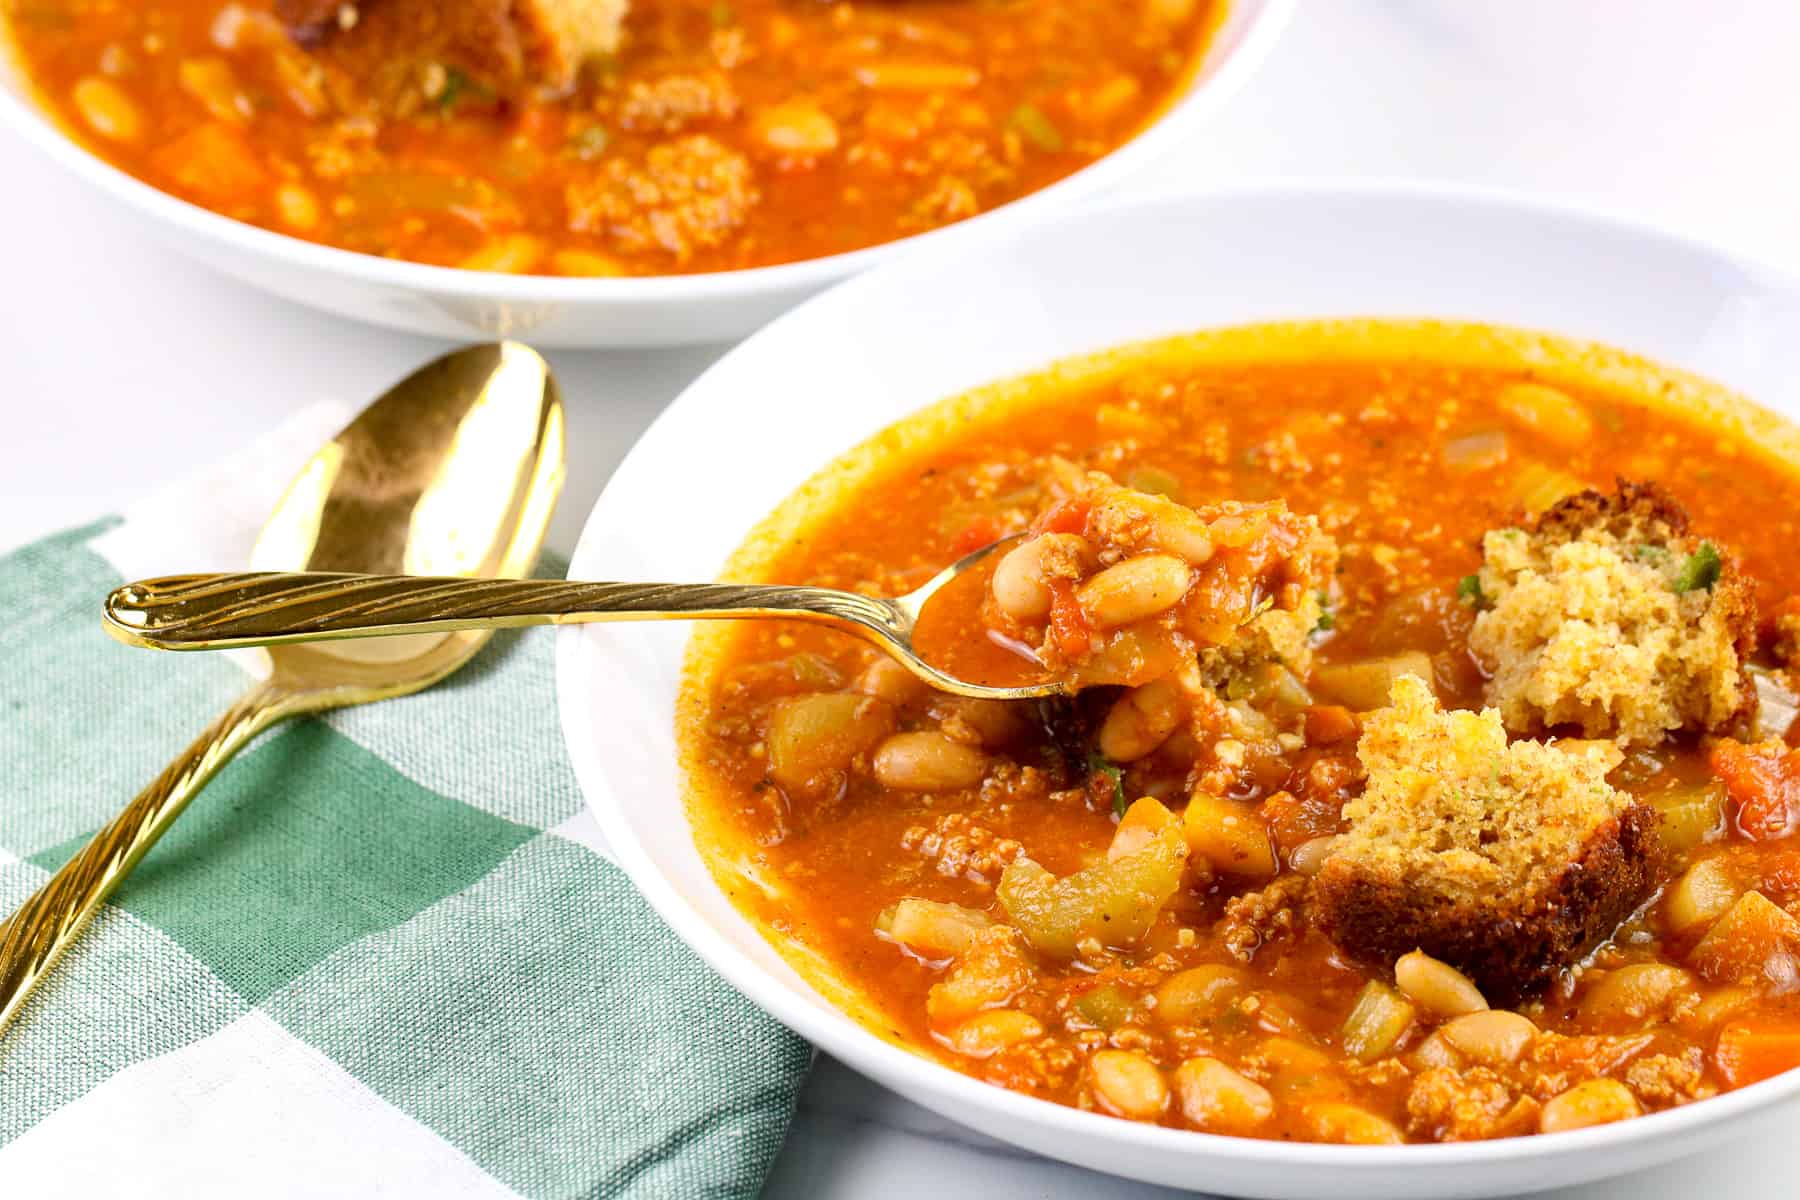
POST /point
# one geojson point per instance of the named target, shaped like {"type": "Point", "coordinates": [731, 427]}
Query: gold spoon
{"type": "Point", "coordinates": [213, 612]}
{"type": "Point", "coordinates": [455, 471]}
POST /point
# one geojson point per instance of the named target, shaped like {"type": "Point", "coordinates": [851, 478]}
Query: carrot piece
{"type": "Point", "coordinates": [1329, 723]}
{"type": "Point", "coordinates": [215, 161]}
{"type": "Point", "coordinates": [1756, 1048]}
{"type": "Point", "coordinates": [1764, 782]}
{"type": "Point", "coordinates": [1068, 625]}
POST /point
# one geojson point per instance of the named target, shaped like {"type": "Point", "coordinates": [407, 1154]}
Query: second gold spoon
{"type": "Point", "coordinates": [214, 612]}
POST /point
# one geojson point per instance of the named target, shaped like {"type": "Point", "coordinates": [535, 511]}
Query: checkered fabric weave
{"type": "Point", "coordinates": [382, 953]}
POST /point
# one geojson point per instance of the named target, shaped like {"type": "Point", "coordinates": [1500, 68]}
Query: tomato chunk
{"type": "Point", "coordinates": [982, 531]}
{"type": "Point", "coordinates": [1068, 625]}
{"type": "Point", "coordinates": [1066, 516]}
{"type": "Point", "coordinates": [1764, 783]}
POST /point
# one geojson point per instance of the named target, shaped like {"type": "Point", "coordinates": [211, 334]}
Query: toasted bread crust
{"type": "Point", "coordinates": [1639, 508]}
{"type": "Point", "coordinates": [1510, 946]}
{"type": "Point", "coordinates": [510, 45]}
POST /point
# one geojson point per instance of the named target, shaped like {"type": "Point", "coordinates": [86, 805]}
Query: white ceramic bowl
{"type": "Point", "coordinates": [847, 364]}
{"type": "Point", "coordinates": [602, 313]}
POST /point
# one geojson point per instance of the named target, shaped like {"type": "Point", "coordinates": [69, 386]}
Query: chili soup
{"type": "Point", "coordinates": [1427, 773]}
{"type": "Point", "coordinates": [599, 138]}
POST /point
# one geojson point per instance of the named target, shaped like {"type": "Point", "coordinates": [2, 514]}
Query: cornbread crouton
{"type": "Point", "coordinates": [1610, 617]}
{"type": "Point", "coordinates": [1506, 861]}
{"type": "Point", "coordinates": [392, 46]}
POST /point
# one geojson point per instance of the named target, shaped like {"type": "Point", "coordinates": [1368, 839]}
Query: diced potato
{"type": "Point", "coordinates": [1272, 685]}
{"type": "Point", "coordinates": [799, 128]}
{"type": "Point", "coordinates": [1536, 487]}
{"type": "Point", "coordinates": [932, 929]}
{"type": "Point", "coordinates": [1349, 1125]}
{"type": "Point", "coordinates": [991, 973]}
{"type": "Point", "coordinates": [987, 1033]}
{"type": "Point", "coordinates": [812, 736]}
{"type": "Point", "coordinates": [1112, 902]}
{"type": "Point", "coordinates": [1198, 994]}
{"type": "Point", "coordinates": [1756, 940]}
{"type": "Point", "coordinates": [1138, 827]}
{"type": "Point", "coordinates": [1476, 451]}
{"type": "Point", "coordinates": [1377, 1022]}
{"type": "Point", "coordinates": [1627, 996]}
{"type": "Point", "coordinates": [1702, 894]}
{"type": "Point", "coordinates": [1363, 686]}
{"type": "Point", "coordinates": [1230, 836]}
{"type": "Point", "coordinates": [1554, 415]}
{"type": "Point", "coordinates": [1689, 815]}
{"type": "Point", "coordinates": [212, 82]}
{"type": "Point", "coordinates": [1720, 1006]}
{"type": "Point", "coordinates": [509, 254]}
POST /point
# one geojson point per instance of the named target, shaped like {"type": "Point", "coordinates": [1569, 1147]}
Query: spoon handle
{"type": "Point", "coordinates": [36, 935]}
{"type": "Point", "coordinates": [211, 612]}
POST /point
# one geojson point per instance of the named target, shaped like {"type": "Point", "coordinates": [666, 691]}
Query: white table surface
{"type": "Point", "coordinates": [125, 364]}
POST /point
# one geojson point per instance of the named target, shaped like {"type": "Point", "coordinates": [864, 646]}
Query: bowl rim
{"type": "Point", "coordinates": [1175, 122]}
{"type": "Point", "coordinates": [876, 1058]}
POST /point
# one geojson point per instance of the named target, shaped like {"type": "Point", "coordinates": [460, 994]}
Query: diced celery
{"type": "Point", "coordinates": [1112, 902]}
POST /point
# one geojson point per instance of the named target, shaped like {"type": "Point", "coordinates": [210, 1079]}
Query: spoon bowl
{"type": "Point", "coordinates": [455, 470]}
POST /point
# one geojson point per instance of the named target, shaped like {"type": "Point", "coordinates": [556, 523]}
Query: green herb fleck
{"type": "Point", "coordinates": [457, 84]}
{"type": "Point", "coordinates": [1032, 125]}
{"type": "Point", "coordinates": [590, 143]}
{"type": "Point", "coordinates": [1098, 765]}
{"type": "Point", "coordinates": [1701, 570]}
{"type": "Point", "coordinates": [1327, 618]}
{"type": "Point", "coordinates": [1650, 553]}
{"type": "Point", "coordinates": [722, 15]}
{"type": "Point", "coordinates": [1468, 590]}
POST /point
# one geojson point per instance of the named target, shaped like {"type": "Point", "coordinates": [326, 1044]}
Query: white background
{"type": "Point", "coordinates": [124, 364]}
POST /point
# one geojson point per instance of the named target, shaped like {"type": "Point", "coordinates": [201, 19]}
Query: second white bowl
{"type": "Point", "coordinates": [599, 313]}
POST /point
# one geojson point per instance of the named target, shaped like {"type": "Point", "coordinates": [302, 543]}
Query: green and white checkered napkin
{"type": "Point", "coordinates": [380, 954]}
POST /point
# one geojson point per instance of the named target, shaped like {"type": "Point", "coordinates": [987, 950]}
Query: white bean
{"type": "Point", "coordinates": [107, 110]}
{"type": "Point", "coordinates": [1022, 579]}
{"type": "Point", "coordinates": [1134, 589]}
{"type": "Point", "coordinates": [1214, 1097]}
{"type": "Point", "coordinates": [1128, 1085]}
{"type": "Point", "coordinates": [1141, 720]}
{"type": "Point", "coordinates": [1492, 1037]}
{"type": "Point", "coordinates": [1594, 1102]}
{"type": "Point", "coordinates": [1437, 987]}
{"type": "Point", "coordinates": [928, 762]}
